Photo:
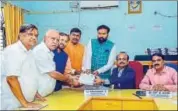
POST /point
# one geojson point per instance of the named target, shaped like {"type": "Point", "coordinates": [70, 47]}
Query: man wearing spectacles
{"type": "Point", "coordinates": [160, 77]}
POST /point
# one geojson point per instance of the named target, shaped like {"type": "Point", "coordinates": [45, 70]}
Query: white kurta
{"type": "Point", "coordinates": [1, 71]}
{"type": "Point", "coordinates": [18, 62]}
{"type": "Point", "coordinates": [44, 60]}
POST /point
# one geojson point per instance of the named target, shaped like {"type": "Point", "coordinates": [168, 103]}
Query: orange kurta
{"type": "Point", "coordinates": [75, 53]}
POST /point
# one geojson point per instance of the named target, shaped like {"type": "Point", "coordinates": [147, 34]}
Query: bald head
{"type": "Point", "coordinates": [122, 59]}
{"type": "Point", "coordinates": [51, 39]}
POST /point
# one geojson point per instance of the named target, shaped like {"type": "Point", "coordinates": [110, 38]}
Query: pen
{"type": "Point", "coordinates": [137, 95]}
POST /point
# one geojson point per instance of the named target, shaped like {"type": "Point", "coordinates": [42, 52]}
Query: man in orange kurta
{"type": "Point", "coordinates": [75, 51]}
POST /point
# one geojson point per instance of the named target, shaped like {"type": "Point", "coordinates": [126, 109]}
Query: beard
{"type": "Point", "coordinates": [102, 40]}
{"type": "Point", "coordinates": [61, 46]}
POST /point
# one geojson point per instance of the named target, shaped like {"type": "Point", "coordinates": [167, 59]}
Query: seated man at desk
{"type": "Point", "coordinates": [160, 77]}
{"type": "Point", "coordinates": [123, 77]}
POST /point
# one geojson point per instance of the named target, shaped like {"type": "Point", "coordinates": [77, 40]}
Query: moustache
{"type": "Point", "coordinates": [121, 63]}
{"type": "Point", "coordinates": [156, 64]}
{"type": "Point", "coordinates": [75, 39]}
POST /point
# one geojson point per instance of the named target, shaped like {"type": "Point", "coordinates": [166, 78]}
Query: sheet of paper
{"type": "Point", "coordinates": [87, 79]}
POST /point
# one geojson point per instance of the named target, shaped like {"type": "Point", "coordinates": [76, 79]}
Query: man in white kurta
{"type": "Point", "coordinates": [44, 59]}
{"type": "Point", "coordinates": [18, 62]}
{"type": "Point", "coordinates": [100, 54]}
{"type": "Point", "coordinates": [19, 78]}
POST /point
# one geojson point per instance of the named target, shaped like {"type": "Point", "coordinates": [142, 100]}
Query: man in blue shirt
{"type": "Point", "coordinates": [123, 76]}
{"type": "Point", "coordinates": [62, 61]}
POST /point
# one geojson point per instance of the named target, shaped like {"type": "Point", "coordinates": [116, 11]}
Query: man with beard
{"type": "Point", "coordinates": [123, 76]}
{"type": "Point", "coordinates": [100, 55]}
{"type": "Point", "coordinates": [160, 77]}
{"type": "Point", "coordinates": [75, 51]}
{"type": "Point", "coordinates": [63, 64]}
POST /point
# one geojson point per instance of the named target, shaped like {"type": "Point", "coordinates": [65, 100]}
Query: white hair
{"type": "Point", "coordinates": [50, 31]}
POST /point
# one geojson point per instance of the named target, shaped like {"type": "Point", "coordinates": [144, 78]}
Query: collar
{"type": "Point", "coordinates": [70, 43]}
{"type": "Point", "coordinates": [120, 69]}
{"type": "Point", "coordinates": [59, 50]}
{"type": "Point", "coordinates": [162, 72]}
{"type": "Point", "coordinates": [45, 47]}
{"type": "Point", "coordinates": [22, 46]}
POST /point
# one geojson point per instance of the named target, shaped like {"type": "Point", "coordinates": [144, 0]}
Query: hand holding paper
{"type": "Point", "coordinates": [87, 79]}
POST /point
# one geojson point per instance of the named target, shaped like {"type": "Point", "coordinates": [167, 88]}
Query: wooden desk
{"type": "Point", "coordinates": [68, 99]}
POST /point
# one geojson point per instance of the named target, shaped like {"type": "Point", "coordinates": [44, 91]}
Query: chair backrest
{"type": "Point", "coordinates": [174, 66]}
{"type": "Point", "coordinates": [138, 68]}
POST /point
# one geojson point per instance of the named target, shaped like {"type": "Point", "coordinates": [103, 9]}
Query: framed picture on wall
{"type": "Point", "coordinates": [134, 6]}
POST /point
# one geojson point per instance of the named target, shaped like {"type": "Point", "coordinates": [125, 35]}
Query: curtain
{"type": "Point", "coordinates": [13, 20]}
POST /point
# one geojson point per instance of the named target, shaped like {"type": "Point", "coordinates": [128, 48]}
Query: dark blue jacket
{"type": "Point", "coordinates": [125, 81]}
{"type": "Point", "coordinates": [60, 59]}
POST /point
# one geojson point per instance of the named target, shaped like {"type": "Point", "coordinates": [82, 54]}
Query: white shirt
{"type": "Point", "coordinates": [18, 62]}
{"type": "Point", "coordinates": [44, 60]}
{"type": "Point", "coordinates": [88, 56]}
{"type": "Point", "coordinates": [1, 71]}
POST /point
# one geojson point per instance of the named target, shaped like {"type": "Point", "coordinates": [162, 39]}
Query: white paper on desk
{"type": "Point", "coordinates": [43, 105]}
{"type": "Point", "coordinates": [87, 79]}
